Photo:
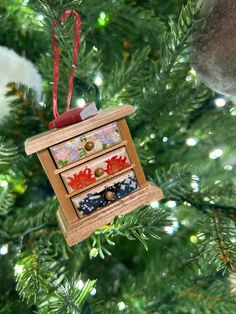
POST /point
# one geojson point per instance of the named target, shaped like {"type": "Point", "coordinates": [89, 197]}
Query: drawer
{"type": "Point", "coordinates": [106, 193]}
{"type": "Point", "coordinates": [84, 145]}
{"type": "Point", "coordinates": [96, 170]}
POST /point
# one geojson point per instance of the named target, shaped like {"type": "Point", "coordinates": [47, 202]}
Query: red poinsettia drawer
{"type": "Point", "coordinates": [106, 193]}
{"type": "Point", "coordinates": [84, 145]}
{"type": "Point", "coordinates": [96, 170]}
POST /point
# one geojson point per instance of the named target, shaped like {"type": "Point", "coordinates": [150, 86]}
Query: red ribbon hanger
{"type": "Point", "coordinates": [73, 115]}
{"type": "Point", "coordinates": [56, 52]}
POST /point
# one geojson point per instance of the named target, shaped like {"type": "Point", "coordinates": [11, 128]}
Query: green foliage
{"type": "Point", "coordinates": [175, 40]}
{"type": "Point", "coordinates": [6, 201]}
{"type": "Point", "coordinates": [8, 153]}
{"type": "Point", "coordinates": [70, 296]}
{"type": "Point", "coordinates": [141, 225]}
{"type": "Point", "coordinates": [143, 53]}
{"type": "Point", "coordinates": [35, 276]}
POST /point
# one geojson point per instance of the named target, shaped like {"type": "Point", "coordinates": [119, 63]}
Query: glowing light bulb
{"type": "Point", "coordinates": [4, 184]}
{"type": "Point", "coordinates": [194, 239]}
{"type": "Point", "coordinates": [171, 204]}
{"type": "Point", "coordinates": [93, 291]}
{"type": "Point", "coordinates": [79, 284]}
{"type": "Point", "coordinates": [18, 269]}
{"type": "Point", "coordinates": [40, 17]}
{"type": "Point", "coordinates": [152, 136]}
{"type": "Point", "coordinates": [165, 139]}
{"type": "Point", "coordinates": [98, 79]}
{"type": "Point", "coordinates": [103, 19]}
{"type": "Point", "coordinates": [4, 249]}
{"type": "Point", "coordinates": [216, 153]}
{"type": "Point", "coordinates": [155, 204]}
{"type": "Point", "coordinates": [121, 306]}
{"type": "Point", "coordinates": [80, 102]}
{"type": "Point", "coordinates": [220, 102]}
{"type": "Point", "coordinates": [191, 141]}
{"type": "Point", "coordinates": [172, 228]}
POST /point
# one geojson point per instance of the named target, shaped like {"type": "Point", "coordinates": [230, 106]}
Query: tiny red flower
{"type": "Point", "coordinates": [81, 179]}
{"type": "Point", "coordinates": [116, 164]}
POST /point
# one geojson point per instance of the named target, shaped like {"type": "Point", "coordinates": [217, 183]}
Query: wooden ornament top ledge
{"type": "Point", "coordinates": [55, 136]}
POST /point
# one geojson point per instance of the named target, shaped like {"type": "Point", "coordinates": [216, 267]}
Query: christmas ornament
{"type": "Point", "coordinates": [93, 167]}
{"type": "Point", "coordinates": [214, 48]}
{"type": "Point", "coordinates": [11, 71]}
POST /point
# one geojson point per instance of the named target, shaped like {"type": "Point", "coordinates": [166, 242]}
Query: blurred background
{"type": "Point", "coordinates": [173, 256]}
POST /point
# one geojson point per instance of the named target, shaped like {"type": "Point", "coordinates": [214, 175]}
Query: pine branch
{"type": "Point", "coordinates": [70, 296]}
{"type": "Point", "coordinates": [142, 224]}
{"type": "Point", "coordinates": [8, 153]}
{"type": "Point", "coordinates": [224, 248]}
{"type": "Point", "coordinates": [6, 201]}
{"type": "Point", "coordinates": [35, 276]}
{"type": "Point", "coordinates": [124, 81]}
{"type": "Point", "coordinates": [175, 41]}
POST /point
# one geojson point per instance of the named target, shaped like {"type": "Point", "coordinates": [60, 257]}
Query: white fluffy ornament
{"type": "Point", "coordinates": [214, 49]}
{"type": "Point", "coordinates": [17, 69]}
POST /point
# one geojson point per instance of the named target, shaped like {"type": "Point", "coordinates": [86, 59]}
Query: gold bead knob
{"type": "Point", "coordinates": [99, 172]}
{"type": "Point", "coordinates": [109, 196]}
{"type": "Point", "coordinates": [89, 146]}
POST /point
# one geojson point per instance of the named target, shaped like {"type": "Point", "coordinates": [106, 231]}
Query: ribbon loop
{"type": "Point", "coordinates": [56, 63]}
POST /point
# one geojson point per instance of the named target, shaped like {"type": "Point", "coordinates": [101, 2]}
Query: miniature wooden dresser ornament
{"type": "Point", "coordinates": [94, 170]}
{"type": "Point", "coordinates": [92, 165]}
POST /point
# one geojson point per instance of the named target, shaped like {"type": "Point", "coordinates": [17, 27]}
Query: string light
{"type": "Point", "coordinates": [220, 102]}
{"type": "Point", "coordinates": [195, 184]}
{"type": "Point", "coordinates": [121, 306]}
{"type": "Point", "coordinates": [171, 204]}
{"type": "Point", "coordinates": [103, 19]}
{"type": "Point", "coordinates": [228, 167]}
{"type": "Point", "coordinates": [216, 153]}
{"type": "Point", "coordinates": [98, 79]}
{"type": "Point", "coordinates": [93, 291]}
{"type": "Point", "coordinates": [42, 104]}
{"type": "Point", "coordinates": [4, 184]}
{"type": "Point", "coordinates": [194, 239]}
{"type": "Point", "coordinates": [80, 102]}
{"type": "Point", "coordinates": [40, 17]}
{"type": "Point", "coordinates": [233, 111]}
{"type": "Point", "coordinates": [79, 284]}
{"type": "Point", "coordinates": [155, 204]}
{"type": "Point", "coordinates": [191, 141]}
{"type": "Point", "coordinates": [165, 139]}
{"type": "Point", "coordinates": [18, 269]}
{"type": "Point", "coordinates": [4, 249]}
{"type": "Point", "coordinates": [172, 228]}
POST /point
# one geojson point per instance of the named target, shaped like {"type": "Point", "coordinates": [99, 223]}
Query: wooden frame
{"type": "Point", "coordinates": [77, 228]}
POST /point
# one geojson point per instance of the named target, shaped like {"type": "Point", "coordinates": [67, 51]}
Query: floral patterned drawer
{"type": "Point", "coordinates": [84, 145]}
{"type": "Point", "coordinates": [105, 194]}
{"type": "Point", "coordinates": [96, 169]}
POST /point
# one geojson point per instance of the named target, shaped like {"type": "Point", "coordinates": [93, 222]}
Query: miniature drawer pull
{"type": "Point", "coordinates": [89, 146]}
{"type": "Point", "coordinates": [109, 196]}
{"type": "Point", "coordinates": [99, 172]}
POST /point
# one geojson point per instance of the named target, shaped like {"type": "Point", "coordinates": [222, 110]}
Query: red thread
{"type": "Point", "coordinates": [56, 54]}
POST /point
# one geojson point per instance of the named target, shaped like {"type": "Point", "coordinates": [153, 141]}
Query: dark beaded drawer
{"type": "Point", "coordinates": [105, 194]}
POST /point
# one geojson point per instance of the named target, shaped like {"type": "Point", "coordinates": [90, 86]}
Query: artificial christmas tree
{"type": "Point", "coordinates": [138, 53]}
